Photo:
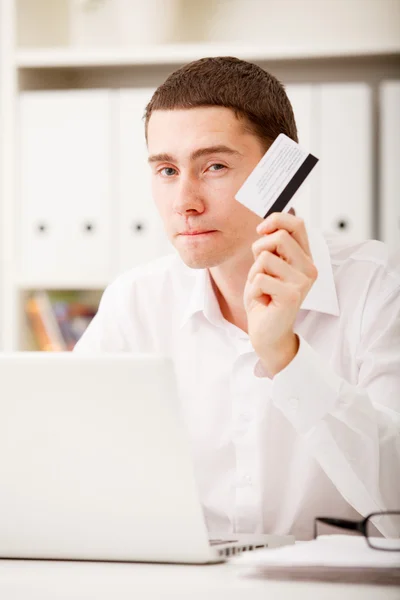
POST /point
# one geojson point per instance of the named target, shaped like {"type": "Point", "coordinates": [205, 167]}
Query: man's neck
{"type": "Point", "coordinates": [229, 280]}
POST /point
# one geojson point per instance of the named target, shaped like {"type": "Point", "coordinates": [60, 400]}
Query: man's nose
{"type": "Point", "coordinates": [188, 198]}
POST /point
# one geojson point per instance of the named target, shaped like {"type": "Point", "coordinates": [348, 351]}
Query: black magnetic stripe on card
{"type": "Point", "coordinates": [304, 170]}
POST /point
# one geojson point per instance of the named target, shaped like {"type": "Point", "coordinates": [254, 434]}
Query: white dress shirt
{"type": "Point", "coordinates": [322, 437]}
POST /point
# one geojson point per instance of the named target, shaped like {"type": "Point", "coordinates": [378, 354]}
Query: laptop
{"type": "Point", "coordinates": [95, 463]}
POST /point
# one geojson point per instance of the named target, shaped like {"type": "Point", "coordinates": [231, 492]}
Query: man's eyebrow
{"type": "Point", "coordinates": [220, 149]}
{"type": "Point", "coordinates": [163, 157]}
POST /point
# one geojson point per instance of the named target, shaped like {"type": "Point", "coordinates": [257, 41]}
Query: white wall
{"type": "Point", "coordinates": [309, 22]}
{"type": "Point", "coordinates": [277, 23]}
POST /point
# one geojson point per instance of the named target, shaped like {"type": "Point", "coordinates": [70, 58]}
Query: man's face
{"type": "Point", "coordinates": [199, 159]}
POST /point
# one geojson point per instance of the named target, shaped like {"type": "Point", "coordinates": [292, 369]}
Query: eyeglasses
{"type": "Point", "coordinates": [388, 522]}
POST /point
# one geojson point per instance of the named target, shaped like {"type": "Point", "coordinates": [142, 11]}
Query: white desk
{"type": "Point", "coordinates": [58, 580]}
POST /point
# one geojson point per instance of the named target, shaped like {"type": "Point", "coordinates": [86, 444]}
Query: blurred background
{"type": "Point", "coordinates": [75, 76]}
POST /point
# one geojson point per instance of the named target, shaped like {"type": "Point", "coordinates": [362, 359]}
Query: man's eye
{"type": "Point", "coordinates": [167, 171]}
{"type": "Point", "coordinates": [218, 167]}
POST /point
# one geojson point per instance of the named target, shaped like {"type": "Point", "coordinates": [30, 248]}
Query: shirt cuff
{"type": "Point", "coordinates": [307, 389]}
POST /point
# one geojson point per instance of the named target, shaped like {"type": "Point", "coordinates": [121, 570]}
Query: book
{"type": "Point", "coordinates": [44, 323]}
{"type": "Point", "coordinates": [58, 319]}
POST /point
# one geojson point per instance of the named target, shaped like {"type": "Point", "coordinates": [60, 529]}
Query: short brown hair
{"type": "Point", "coordinates": [253, 94]}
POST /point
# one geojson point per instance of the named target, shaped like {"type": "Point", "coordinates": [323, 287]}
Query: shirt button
{"type": "Point", "coordinates": [293, 403]}
{"type": "Point", "coordinates": [246, 479]}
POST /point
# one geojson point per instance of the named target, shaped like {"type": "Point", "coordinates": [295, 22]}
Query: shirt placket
{"type": "Point", "coordinates": [245, 417]}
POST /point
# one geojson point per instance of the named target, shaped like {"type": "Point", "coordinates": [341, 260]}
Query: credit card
{"type": "Point", "coordinates": [276, 178]}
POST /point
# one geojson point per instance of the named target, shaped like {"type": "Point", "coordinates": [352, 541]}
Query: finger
{"type": "Point", "coordinates": [270, 263]}
{"type": "Point", "coordinates": [265, 285]}
{"type": "Point", "coordinates": [291, 223]}
{"type": "Point", "coordinates": [284, 245]}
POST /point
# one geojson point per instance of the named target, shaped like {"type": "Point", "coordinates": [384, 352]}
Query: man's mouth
{"type": "Point", "coordinates": [197, 232]}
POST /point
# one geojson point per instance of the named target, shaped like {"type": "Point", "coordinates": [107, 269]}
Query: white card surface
{"type": "Point", "coordinates": [272, 184]}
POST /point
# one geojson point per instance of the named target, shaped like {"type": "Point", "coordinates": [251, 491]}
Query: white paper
{"type": "Point", "coordinates": [325, 551]}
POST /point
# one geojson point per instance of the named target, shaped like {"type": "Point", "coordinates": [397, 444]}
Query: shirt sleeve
{"type": "Point", "coordinates": [353, 431]}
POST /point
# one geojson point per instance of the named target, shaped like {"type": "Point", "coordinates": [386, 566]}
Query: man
{"type": "Point", "coordinates": [286, 342]}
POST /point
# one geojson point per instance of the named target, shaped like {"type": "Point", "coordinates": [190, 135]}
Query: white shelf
{"type": "Point", "coordinates": [79, 284]}
{"type": "Point", "coordinates": [182, 53]}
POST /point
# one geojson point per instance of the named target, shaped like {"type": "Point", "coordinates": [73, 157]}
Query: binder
{"type": "Point", "coordinates": [346, 167]}
{"type": "Point", "coordinates": [389, 158]}
{"type": "Point", "coordinates": [141, 232]}
{"type": "Point", "coordinates": [303, 100]}
{"type": "Point", "coordinates": [64, 190]}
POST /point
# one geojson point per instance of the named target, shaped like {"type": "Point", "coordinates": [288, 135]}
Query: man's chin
{"type": "Point", "coordinates": [197, 263]}
{"type": "Point", "coordinates": [202, 261]}
{"type": "Point", "coordinates": [205, 255]}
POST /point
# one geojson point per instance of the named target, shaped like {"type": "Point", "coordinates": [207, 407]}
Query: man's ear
{"type": "Point", "coordinates": [292, 211]}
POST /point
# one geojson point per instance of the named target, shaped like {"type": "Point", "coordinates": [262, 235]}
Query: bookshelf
{"type": "Point", "coordinates": [308, 61]}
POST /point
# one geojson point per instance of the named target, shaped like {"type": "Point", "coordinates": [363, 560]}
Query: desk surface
{"type": "Point", "coordinates": [62, 580]}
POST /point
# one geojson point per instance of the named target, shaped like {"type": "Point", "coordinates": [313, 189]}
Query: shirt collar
{"type": "Point", "coordinates": [321, 298]}
{"type": "Point", "coordinates": [201, 297]}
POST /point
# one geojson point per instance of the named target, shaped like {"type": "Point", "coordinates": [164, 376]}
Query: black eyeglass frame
{"type": "Point", "coordinates": [360, 526]}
